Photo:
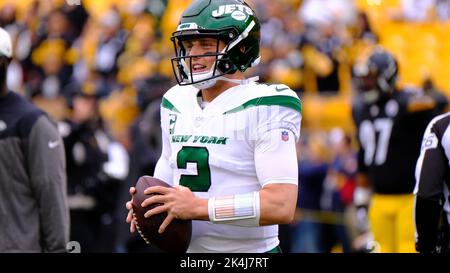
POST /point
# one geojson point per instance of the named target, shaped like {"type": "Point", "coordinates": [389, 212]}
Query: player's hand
{"type": "Point", "coordinates": [179, 203]}
{"type": "Point", "coordinates": [130, 217]}
{"type": "Point", "coordinates": [362, 219]}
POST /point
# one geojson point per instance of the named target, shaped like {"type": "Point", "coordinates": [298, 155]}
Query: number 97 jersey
{"type": "Point", "coordinates": [211, 150]}
{"type": "Point", "coordinates": [390, 135]}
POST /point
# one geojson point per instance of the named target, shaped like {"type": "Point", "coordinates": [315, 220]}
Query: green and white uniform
{"type": "Point", "coordinates": [242, 140]}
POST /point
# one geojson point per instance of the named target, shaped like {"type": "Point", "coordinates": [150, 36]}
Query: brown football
{"type": "Point", "coordinates": [176, 237]}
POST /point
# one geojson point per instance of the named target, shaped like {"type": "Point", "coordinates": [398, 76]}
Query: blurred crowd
{"type": "Point", "coordinates": [99, 68]}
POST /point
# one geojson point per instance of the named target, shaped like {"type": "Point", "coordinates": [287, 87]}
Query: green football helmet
{"type": "Point", "coordinates": [230, 21]}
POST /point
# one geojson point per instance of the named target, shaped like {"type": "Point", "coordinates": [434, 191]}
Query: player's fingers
{"type": "Point", "coordinates": [166, 222]}
{"type": "Point", "coordinates": [129, 205]}
{"type": "Point", "coordinates": [130, 219]}
{"type": "Point", "coordinates": [154, 199]}
{"type": "Point", "coordinates": [182, 188]}
{"type": "Point", "coordinates": [132, 190]}
{"type": "Point", "coordinates": [156, 210]}
{"type": "Point", "coordinates": [157, 189]}
{"type": "Point", "coordinates": [132, 226]}
{"type": "Point", "coordinates": [129, 216]}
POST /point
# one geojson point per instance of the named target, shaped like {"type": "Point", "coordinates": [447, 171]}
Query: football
{"type": "Point", "coordinates": [175, 238]}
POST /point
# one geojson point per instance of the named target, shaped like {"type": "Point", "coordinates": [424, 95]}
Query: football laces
{"type": "Point", "coordinates": [139, 230]}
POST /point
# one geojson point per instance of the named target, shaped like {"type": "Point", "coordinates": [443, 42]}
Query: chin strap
{"type": "Point", "coordinates": [210, 83]}
{"type": "Point", "coordinates": [244, 81]}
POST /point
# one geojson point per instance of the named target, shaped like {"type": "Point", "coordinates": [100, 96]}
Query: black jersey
{"type": "Point", "coordinates": [390, 135]}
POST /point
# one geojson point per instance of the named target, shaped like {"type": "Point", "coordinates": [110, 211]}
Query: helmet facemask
{"type": "Point", "coordinates": [365, 82]}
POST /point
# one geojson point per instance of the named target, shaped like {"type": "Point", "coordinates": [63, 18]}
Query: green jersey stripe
{"type": "Point", "coordinates": [167, 104]}
{"type": "Point", "coordinates": [286, 101]}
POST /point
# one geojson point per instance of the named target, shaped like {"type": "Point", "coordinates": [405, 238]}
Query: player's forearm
{"type": "Point", "coordinates": [278, 203]}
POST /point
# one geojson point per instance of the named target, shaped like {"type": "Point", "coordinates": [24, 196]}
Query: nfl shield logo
{"type": "Point", "coordinates": [284, 136]}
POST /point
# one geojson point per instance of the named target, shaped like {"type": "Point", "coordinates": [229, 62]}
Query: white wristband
{"type": "Point", "coordinates": [239, 209]}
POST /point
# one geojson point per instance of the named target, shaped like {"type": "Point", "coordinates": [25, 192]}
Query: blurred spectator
{"type": "Point", "coordinates": [338, 191]}
{"type": "Point", "coordinates": [363, 29]}
{"type": "Point", "coordinates": [326, 23]}
{"type": "Point", "coordinates": [96, 169]}
{"type": "Point", "coordinates": [282, 33]}
{"type": "Point", "coordinates": [442, 10]}
{"type": "Point", "coordinates": [50, 75]}
{"type": "Point", "coordinates": [318, 12]}
{"type": "Point", "coordinates": [110, 44]}
{"type": "Point", "coordinates": [417, 10]}
{"type": "Point", "coordinates": [344, 164]}
{"type": "Point", "coordinates": [77, 17]}
{"type": "Point", "coordinates": [422, 10]}
{"type": "Point", "coordinates": [329, 44]}
{"type": "Point", "coordinates": [363, 39]}
{"type": "Point", "coordinates": [58, 27]}
{"type": "Point", "coordinates": [307, 231]}
{"type": "Point", "coordinates": [430, 89]}
{"type": "Point", "coordinates": [53, 73]}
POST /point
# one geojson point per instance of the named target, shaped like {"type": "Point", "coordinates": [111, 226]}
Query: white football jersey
{"type": "Point", "coordinates": [212, 150]}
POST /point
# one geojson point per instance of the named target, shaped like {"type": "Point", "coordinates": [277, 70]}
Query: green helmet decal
{"type": "Point", "coordinates": [230, 21]}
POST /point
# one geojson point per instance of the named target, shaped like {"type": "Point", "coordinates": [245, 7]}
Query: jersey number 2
{"type": "Point", "coordinates": [200, 156]}
{"type": "Point", "coordinates": [368, 137]}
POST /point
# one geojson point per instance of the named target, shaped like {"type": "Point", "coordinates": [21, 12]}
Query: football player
{"type": "Point", "coordinates": [432, 188]}
{"type": "Point", "coordinates": [390, 125]}
{"type": "Point", "coordinates": [228, 142]}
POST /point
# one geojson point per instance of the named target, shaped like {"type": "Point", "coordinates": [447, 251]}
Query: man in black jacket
{"type": "Point", "coordinates": [33, 202]}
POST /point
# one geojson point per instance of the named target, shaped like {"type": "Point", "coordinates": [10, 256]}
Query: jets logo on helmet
{"type": "Point", "coordinates": [238, 12]}
{"type": "Point", "coordinates": [231, 21]}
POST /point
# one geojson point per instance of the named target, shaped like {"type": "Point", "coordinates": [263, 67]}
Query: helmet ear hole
{"type": "Point", "coordinates": [226, 67]}
{"type": "Point", "coordinates": [242, 49]}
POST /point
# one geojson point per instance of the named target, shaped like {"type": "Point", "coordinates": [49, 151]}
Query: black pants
{"type": "Point", "coordinates": [444, 241]}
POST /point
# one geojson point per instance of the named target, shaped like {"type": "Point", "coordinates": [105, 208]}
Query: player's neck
{"type": "Point", "coordinates": [209, 94]}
